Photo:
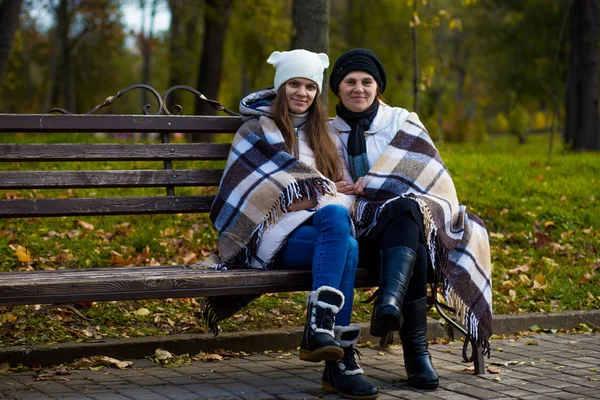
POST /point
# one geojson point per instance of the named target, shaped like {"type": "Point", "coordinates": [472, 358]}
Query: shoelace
{"type": "Point", "coordinates": [327, 319]}
{"type": "Point", "coordinates": [349, 358]}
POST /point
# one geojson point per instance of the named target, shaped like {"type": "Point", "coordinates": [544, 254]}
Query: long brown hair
{"type": "Point", "coordinates": [326, 156]}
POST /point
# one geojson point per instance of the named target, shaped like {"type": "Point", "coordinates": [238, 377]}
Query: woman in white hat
{"type": "Point", "coordinates": [278, 208]}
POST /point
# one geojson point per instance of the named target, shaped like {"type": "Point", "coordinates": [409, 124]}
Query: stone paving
{"type": "Point", "coordinates": [540, 366]}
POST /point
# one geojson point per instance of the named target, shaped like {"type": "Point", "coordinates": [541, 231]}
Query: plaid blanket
{"type": "Point", "coordinates": [458, 242]}
{"type": "Point", "coordinates": [260, 180]}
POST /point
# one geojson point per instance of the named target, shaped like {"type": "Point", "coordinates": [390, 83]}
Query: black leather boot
{"type": "Point", "coordinates": [318, 339]}
{"type": "Point", "coordinates": [395, 270]}
{"type": "Point", "coordinates": [417, 359]}
{"type": "Point", "coordinates": [345, 376]}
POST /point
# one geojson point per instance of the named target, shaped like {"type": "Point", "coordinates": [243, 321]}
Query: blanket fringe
{"type": "Point", "coordinates": [298, 190]}
{"type": "Point", "coordinates": [215, 309]}
{"type": "Point", "coordinates": [469, 320]}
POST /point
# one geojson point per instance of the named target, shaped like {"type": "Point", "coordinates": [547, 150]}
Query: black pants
{"type": "Point", "coordinates": [400, 224]}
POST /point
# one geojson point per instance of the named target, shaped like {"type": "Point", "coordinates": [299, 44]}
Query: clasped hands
{"type": "Point", "coordinates": [352, 188]}
{"type": "Point", "coordinates": [342, 187]}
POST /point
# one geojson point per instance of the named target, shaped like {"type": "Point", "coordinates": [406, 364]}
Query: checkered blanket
{"type": "Point", "coordinates": [458, 242]}
{"type": "Point", "coordinates": [260, 180]}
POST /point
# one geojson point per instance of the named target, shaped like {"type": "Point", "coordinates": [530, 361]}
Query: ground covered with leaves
{"type": "Point", "coordinates": [543, 220]}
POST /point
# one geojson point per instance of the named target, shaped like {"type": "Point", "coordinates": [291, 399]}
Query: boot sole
{"type": "Point", "coordinates": [330, 389]}
{"type": "Point", "coordinates": [329, 353]}
{"type": "Point", "coordinates": [385, 323]}
{"type": "Point", "coordinates": [424, 385]}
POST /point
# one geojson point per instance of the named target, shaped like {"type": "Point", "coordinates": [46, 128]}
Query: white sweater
{"type": "Point", "coordinates": [384, 127]}
{"type": "Point", "coordinates": [274, 238]}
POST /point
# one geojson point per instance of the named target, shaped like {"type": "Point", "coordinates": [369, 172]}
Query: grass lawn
{"type": "Point", "coordinates": [543, 220]}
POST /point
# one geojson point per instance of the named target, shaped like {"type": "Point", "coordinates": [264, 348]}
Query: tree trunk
{"type": "Point", "coordinates": [216, 22]}
{"type": "Point", "coordinates": [311, 22]}
{"type": "Point", "coordinates": [581, 127]}
{"type": "Point", "coordinates": [184, 34]}
{"type": "Point", "coordinates": [355, 23]}
{"type": "Point", "coordinates": [63, 26]}
{"type": "Point", "coordinates": [415, 61]}
{"type": "Point", "coordinates": [9, 21]}
{"type": "Point", "coordinates": [146, 39]}
{"type": "Point", "coordinates": [176, 52]}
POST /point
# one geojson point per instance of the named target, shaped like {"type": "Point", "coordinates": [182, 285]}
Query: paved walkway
{"type": "Point", "coordinates": [541, 366]}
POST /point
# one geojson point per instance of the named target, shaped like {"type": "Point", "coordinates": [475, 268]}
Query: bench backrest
{"type": "Point", "coordinates": [76, 175]}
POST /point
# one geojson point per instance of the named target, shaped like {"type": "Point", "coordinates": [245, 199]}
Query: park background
{"type": "Point", "coordinates": [507, 89]}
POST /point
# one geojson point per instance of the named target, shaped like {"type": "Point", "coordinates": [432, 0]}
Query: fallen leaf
{"type": "Point", "coordinates": [549, 224]}
{"type": "Point", "coordinates": [507, 363]}
{"type": "Point", "coordinates": [85, 225]}
{"type": "Point", "coordinates": [207, 357]}
{"type": "Point", "coordinates": [162, 354]}
{"type": "Point", "coordinates": [142, 312]}
{"type": "Point", "coordinates": [190, 258]}
{"type": "Point", "coordinates": [541, 240]}
{"type": "Point", "coordinates": [113, 362]}
{"type": "Point", "coordinates": [22, 253]}
{"type": "Point", "coordinates": [518, 269]}
{"type": "Point", "coordinates": [524, 278]}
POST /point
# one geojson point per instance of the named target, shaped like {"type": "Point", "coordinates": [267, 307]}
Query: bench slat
{"type": "Point", "coordinates": [135, 283]}
{"type": "Point", "coordinates": [14, 180]}
{"type": "Point", "coordinates": [22, 208]}
{"type": "Point", "coordinates": [117, 123]}
{"type": "Point", "coordinates": [113, 152]}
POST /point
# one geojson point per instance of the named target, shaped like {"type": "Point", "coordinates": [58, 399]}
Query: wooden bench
{"type": "Point", "coordinates": [67, 286]}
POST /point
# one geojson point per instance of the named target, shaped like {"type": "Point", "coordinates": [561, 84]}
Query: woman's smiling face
{"type": "Point", "coordinates": [357, 91]}
{"type": "Point", "coordinates": [300, 94]}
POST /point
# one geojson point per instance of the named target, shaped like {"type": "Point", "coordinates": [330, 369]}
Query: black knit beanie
{"type": "Point", "coordinates": [357, 60]}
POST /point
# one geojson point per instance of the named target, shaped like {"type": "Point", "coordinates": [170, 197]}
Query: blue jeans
{"type": "Point", "coordinates": [325, 245]}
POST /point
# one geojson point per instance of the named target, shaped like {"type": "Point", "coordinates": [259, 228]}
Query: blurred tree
{"type": "Point", "coordinates": [415, 55]}
{"type": "Point", "coordinates": [74, 20]}
{"type": "Point", "coordinates": [9, 21]}
{"type": "Point", "coordinates": [311, 24]}
{"type": "Point", "coordinates": [216, 21]}
{"type": "Point", "coordinates": [382, 27]}
{"type": "Point", "coordinates": [581, 128]}
{"type": "Point", "coordinates": [519, 49]}
{"type": "Point", "coordinates": [184, 38]}
{"type": "Point", "coordinates": [247, 48]}
{"type": "Point", "coordinates": [145, 39]}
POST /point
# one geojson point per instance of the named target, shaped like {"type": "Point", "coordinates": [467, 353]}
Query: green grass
{"type": "Point", "coordinates": [543, 220]}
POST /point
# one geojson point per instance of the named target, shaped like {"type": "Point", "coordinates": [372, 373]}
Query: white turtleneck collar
{"type": "Point", "coordinates": [298, 119]}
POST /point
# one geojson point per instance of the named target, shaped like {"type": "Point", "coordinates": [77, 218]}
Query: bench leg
{"type": "Point", "coordinates": [477, 352]}
{"type": "Point", "coordinates": [478, 361]}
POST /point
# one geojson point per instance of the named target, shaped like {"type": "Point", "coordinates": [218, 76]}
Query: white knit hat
{"type": "Point", "coordinates": [298, 64]}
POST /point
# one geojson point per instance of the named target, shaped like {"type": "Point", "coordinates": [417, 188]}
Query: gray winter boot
{"type": "Point", "coordinates": [345, 376]}
{"type": "Point", "coordinates": [318, 339]}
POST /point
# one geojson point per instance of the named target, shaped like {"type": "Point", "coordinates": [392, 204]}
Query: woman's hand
{"type": "Point", "coordinates": [301, 205]}
{"type": "Point", "coordinates": [353, 188]}
{"type": "Point", "coordinates": [358, 186]}
{"type": "Point", "coordinates": [344, 188]}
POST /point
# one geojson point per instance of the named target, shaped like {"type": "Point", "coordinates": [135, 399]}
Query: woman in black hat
{"type": "Point", "coordinates": [409, 220]}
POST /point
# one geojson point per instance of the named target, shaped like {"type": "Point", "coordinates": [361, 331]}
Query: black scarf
{"type": "Point", "coordinates": [358, 162]}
